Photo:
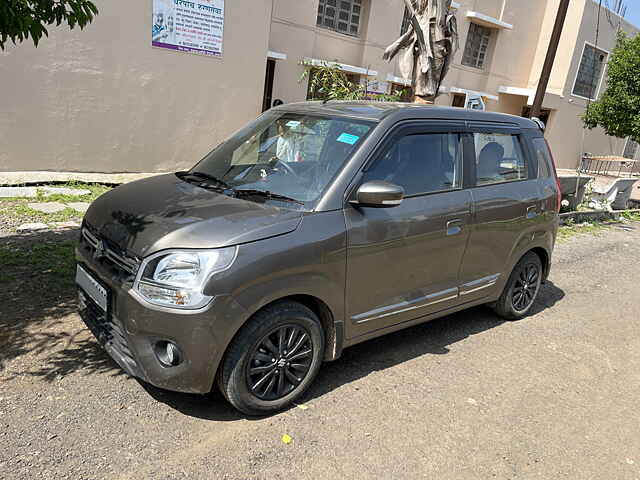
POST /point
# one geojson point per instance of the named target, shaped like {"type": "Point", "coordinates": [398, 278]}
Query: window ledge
{"type": "Point", "coordinates": [487, 21]}
{"type": "Point", "coordinates": [276, 55]}
{"type": "Point", "coordinates": [473, 92]}
{"type": "Point", "coordinates": [343, 66]}
{"type": "Point", "coordinates": [399, 80]}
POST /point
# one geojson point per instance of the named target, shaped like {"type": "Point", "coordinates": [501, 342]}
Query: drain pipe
{"type": "Point", "coordinates": [504, 7]}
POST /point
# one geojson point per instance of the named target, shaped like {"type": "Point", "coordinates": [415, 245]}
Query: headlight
{"type": "Point", "coordinates": [176, 278]}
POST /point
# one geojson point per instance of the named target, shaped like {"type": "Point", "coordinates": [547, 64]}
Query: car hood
{"type": "Point", "coordinates": [163, 211]}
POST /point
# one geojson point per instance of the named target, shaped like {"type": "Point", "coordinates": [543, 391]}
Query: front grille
{"type": "Point", "coordinates": [102, 251]}
{"type": "Point", "coordinates": [108, 331]}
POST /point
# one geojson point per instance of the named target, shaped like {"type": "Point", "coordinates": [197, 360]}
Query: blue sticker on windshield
{"type": "Point", "coordinates": [348, 138]}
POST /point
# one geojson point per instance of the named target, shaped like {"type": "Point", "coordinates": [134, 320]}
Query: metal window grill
{"type": "Point", "coordinates": [477, 46]}
{"type": "Point", "coordinates": [342, 16]}
{"type": "Point", "coordinates": [590, 72]}
{"type": "Point", "coordinates": [630, 149]}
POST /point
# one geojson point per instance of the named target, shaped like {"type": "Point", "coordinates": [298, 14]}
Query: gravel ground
{"type": "Point", "coordinates": [464, 397]}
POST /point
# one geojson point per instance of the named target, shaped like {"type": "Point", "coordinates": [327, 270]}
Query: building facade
{"type": "Point", "coordinates": [104, 99]}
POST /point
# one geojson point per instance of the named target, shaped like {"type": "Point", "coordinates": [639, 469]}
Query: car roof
{"type": "Point", "coordinates": [377, 111]}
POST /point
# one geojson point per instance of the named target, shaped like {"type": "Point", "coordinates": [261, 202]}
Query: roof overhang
{"type": "Point", "coordinates": [343, 66]}
{"type": "Point", "coordinates": [399, 80]}
{"type": "Point", "coordinates": [276, 55]}
{"type": "Point", "coordinates": [530, 93]}
{"type": "Point", "coordinates": [487, 21]}
{"type": "Point", "coordinates": [465, 91]}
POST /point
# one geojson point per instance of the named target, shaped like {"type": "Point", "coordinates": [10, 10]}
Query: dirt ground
{"type": "Point", "coordinates": [464, 397]}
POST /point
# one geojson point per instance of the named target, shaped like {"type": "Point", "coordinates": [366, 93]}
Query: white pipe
{"type": "Point", "coordinates": [504, 6]}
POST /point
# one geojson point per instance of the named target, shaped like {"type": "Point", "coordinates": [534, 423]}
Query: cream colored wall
{"type": "Point", "coordinates": [566, 134]}
{"type": "Point", "coordinates": [103, 99]}
{"type": "Point", "coordinates": [294, 32]}
{"type": "Point", "coordinates": [510, 51]}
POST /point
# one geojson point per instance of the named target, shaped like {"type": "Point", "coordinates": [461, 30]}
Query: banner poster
{"type": "Point", "coordinates": [188, 26]}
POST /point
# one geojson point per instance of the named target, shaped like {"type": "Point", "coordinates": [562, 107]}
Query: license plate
{"type": "Point", "coordinates": [92, 287]}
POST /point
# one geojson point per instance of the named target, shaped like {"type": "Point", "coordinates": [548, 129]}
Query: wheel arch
{"type": "Point", "coordinates": [333, 329]}
{"type": "Point", "coordinates": [545, 259]}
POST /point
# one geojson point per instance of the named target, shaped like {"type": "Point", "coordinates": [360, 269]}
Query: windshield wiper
{"type": "Point", "coordinates": [206, 176]}
{"type": "Point", "coordinates": [266, 194]}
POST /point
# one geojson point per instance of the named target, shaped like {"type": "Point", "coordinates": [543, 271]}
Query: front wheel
{"type": "Point", "coordinates": [521, 289]}
{"type": "Point", "coordinates": [273, 359]}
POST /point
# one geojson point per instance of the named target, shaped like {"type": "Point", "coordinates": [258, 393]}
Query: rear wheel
{"type": "Point", "coordinates": [273, 359]}
{"type": "Point", "coordinates": [521, 289]}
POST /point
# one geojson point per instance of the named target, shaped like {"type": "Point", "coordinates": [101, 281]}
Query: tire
{"type": "Point", "coordinates": [284, 368]}
{"type": "Point", "coordinates": [522, 288]}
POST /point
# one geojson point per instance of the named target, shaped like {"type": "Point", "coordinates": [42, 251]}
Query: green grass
{"type": "Point", "coordinates": [95, 189]}
{"type": "Point", "coordinates": [24, 211]}
{"type": "Point", "coordinates": [55, 261]}
{"type": "Point", "coordinates": [631, 216]}
{"type": "Point", "coordinates": [15, 211]}
{"type": "Point", "coordinates": [569, 231]}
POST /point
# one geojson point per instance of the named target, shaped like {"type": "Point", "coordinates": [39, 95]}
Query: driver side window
{"type": "Point", "coordinates": [421, 163]}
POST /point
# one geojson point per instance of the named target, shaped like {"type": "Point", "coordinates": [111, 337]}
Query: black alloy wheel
{"type": "Point", "coordinates": [522, 288]}
{"type": "Point", "coordinates": [279, 362]}
{"type": "Point", "coordinates": [273, 358]}
{"type": "Point", "coordinates": [525, 287]}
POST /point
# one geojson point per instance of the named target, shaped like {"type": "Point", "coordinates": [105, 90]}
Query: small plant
{"type": "Point", "coordinates": [328, 81]}
{"type": "Point", "coordinates": [630, 216]}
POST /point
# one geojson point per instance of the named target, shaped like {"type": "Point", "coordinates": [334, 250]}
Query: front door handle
{"type": "Point", "coordinates": [454, 227]}
{"type": "Point", "coordinates": [532, 212]}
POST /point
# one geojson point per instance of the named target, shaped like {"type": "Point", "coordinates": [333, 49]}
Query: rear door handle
{"type": "Point", "coordinates": [454, 227]}
{"type": "Point", "coordinates": [532, 212]}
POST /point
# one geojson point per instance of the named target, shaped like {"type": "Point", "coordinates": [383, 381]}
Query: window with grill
{"type": "Point", "coordinates": [590, 72]}
{"type": "Point", "coordinates": [630, 149]}
{"type": "Point", "coordinates": [477, 46]}
{"type": "Point", "coordinates": [340, 15]}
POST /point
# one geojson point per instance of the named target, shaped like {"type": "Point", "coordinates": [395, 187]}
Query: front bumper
{"type": "Point", "coordinates": [129, 331]}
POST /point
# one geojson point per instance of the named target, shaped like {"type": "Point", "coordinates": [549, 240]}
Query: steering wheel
{"type": "Point", "coordinates": [286, 167]}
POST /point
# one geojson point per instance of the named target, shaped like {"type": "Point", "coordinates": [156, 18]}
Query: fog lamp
{"type": "Point", "coordinates": [168, 353]}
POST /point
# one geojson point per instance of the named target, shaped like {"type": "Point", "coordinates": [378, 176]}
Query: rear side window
{"type": "Point", "coordinates": [544, 158]}
{"type": "Point", "coordinates": [499, 158]}
{"type": "Point", "coordinates": [421, 163]}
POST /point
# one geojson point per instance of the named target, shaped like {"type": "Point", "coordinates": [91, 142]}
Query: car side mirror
{"type": "Point", "coordinates": [378, 194]}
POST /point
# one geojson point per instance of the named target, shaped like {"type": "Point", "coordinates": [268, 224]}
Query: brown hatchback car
{"type": "Point", "coordinates": [316, 227]}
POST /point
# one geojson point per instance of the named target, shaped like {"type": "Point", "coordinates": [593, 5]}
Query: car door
{"type": "Point", "coordinates": [506, 204]}
{"type": "Point", "coordinates": [403, 262]}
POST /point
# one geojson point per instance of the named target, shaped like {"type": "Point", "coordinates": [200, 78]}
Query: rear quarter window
{"type": "Point", "coordinates": [543, 157]}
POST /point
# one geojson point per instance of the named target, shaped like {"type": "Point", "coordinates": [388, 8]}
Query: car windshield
{"type": "Point", "coordinates": [291, 156]}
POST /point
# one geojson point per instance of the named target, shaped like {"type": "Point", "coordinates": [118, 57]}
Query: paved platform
{"type": "Point", "coordinates": [602, 181]}
{"type": "Point", "coordinates": [41, 177]}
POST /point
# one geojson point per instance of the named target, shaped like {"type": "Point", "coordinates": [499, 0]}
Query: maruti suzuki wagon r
{"type": "Point", "coordinates": [313, 228]}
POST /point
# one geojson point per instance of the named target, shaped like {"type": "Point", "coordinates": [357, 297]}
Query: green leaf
{"type": "Point", "coordinates": [20, 19]}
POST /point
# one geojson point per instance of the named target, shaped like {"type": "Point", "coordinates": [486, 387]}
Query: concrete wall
{"type": "Point", "coordinates": [104, 99]}
{"type": "Point", "coordinates": [566, 135]}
